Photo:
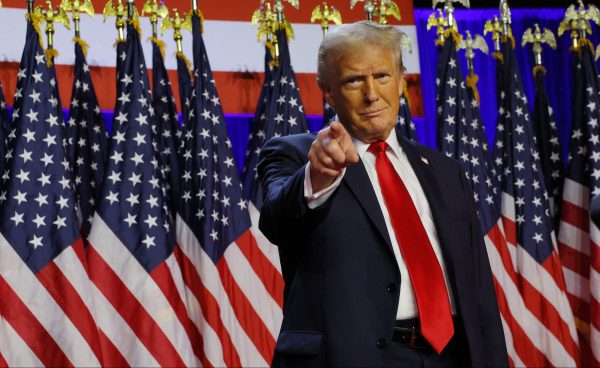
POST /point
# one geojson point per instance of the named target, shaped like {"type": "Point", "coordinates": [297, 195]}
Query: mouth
{"type": "Point", "coordinates": [372, 114]}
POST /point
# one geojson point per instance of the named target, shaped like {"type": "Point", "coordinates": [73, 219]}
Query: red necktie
{"type": "Point", "coordinates": [423, 267]}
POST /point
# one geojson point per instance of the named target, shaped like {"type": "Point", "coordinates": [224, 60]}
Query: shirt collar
{"type": "Point", "coordinates": [392, 141]}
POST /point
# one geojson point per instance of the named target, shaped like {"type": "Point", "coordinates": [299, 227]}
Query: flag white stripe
{"type": "Point", "coordinates": [594, 276]}
{"type": "Point", "coordinates": [141, 285]}
{"type": "Point", "coordinates": [535, 330]}
{"type": "Point", "coordinates": [595, 342]}
{"type": "Point", "coordinates": [595, 281]}
{"type": "Point", "coordinates": [249, 355]}
{"type": "Point", "coordinates": [577, 285]}
{"type": "Point", "coordinates": [72, 268]}
{"type": "Point", "coordinates": [39, 301]}
{"type": "Point", "coordinates": [211, 343]}
{"type": "Point", "coordinates": [544, 283]}
{"type": "Point", "coordinates": [243, 53]}
{"type": "Point", "coordinates": [538, 277]}
{"type": "Point", "coordinates": [16, 352]}
{"type": "Point", "coordinates": [175, 270]}
{"type": "Point", "coordinates": [120, 334]}
{"type": "Point", "coordinates": [577, 194]}
{"type": "Point", "coordinates": [510, 345]}
{"type": "Point", "coordinates": [4, 340]}
{"type": "Point", "coordinates": [508, 206]}
{"type": "Point", "coordinates": [574, 237]}
{"type": "Point", "coordinates": [254, 289]}
{"type": "Point", "coordinates": [269, 250]}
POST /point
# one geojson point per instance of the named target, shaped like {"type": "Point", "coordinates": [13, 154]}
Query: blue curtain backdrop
{"type": "Point", "coordinates": [557, 63]}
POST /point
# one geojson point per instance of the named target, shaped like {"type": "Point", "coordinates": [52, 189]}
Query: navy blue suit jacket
{"type": "Point", "coordinates": [341, 276]}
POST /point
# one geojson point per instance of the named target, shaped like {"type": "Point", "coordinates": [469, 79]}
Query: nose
{"type": "Point", "coordinates": [370, 91]}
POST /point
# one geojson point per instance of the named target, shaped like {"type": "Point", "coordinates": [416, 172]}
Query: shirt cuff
{"type": "Point", "coordinates": [315, 200]}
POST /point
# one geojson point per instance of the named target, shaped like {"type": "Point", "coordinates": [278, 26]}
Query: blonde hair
{"type": "Point", "coordinates": [365, 32]}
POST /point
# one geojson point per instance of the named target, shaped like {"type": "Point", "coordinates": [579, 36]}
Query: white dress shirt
{"type": "Point", "coordinates": [407, 308]}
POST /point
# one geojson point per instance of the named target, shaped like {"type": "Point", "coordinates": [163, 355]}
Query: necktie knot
{"type": "Point", "coordinates": [378, 147]}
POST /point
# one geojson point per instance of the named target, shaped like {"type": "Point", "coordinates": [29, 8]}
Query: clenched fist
{"type": "Point", "coordinates": [330, 152]}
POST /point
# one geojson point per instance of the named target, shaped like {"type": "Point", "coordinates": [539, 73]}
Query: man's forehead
{"type": "Point", "coordinates": [361, 52]}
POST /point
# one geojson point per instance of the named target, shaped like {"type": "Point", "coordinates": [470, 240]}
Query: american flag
{"type": "Point", "coordinates": [88, 143]}
{"type": "Point", "coordinates": [3, 127]}
{"type": "Point", "coordinates": [185, 86]}
{"type": "Point", "coordinates": [579, 237]}
{"type": "Point", "coordinates": [547, 322]}
{"type": "Point", "coordinates": [464, 139]}
{"type": "Point", "coordinates": [257, 136]}
{"type": "Point", "coordinates": [546, 135]}
{"type": "Point", "coordinates": [121, 48]}
{"type": "Point", "coordinates": [405, 124]}
{"type": "Point", "coordinates": [284, 115]}
{"type": "Point", "coordinates": [138, 290]}
{"type": "Point", "coordinates": [46, 305]}
{"type": "Point", "coordinates": [229, 280]}
{"type": "Point", "coordinates": [167, 129]}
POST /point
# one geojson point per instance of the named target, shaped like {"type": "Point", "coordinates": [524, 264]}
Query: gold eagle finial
{"type": "Point", "coordinates": [177, 23]}
{"type": "Point", "coordinates": [325, 14]}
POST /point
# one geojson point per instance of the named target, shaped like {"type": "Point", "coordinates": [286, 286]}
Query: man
{"type": "Point", "coordinates": [382, 255]}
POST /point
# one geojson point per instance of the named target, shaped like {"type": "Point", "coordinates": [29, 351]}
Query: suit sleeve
{"type": "Point", "coordinates": [489, 315]}
{"type": "Point", "coordinates": [281, 171]}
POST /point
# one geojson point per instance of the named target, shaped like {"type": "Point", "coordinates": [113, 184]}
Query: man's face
{"type": "Point", "coordinates": [364, 88]}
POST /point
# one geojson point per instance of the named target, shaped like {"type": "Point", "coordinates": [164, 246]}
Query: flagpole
{"type": "Point", "coordinates": [505, 16]}
{"type": "Point", "coordinates": [30, 6]}
{"type": "Point", "coordinates": [130, 9]}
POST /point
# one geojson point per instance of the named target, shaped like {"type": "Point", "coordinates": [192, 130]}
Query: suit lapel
{"type": "Point", "coordinates": [357, 180]}
{"type": "Point", "coordinates": [430, 185]}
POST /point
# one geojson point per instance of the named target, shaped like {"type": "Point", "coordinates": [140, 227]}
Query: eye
{"type": "Point", "coordinates": [353, 83]}
{"type": "Point", "coordinates": [383, 77]}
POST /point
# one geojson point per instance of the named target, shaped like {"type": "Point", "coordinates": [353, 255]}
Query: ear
{"type": "Point", "coordinates": [327, 94]}
{"type": "Point", "coordinates": [401, 84]}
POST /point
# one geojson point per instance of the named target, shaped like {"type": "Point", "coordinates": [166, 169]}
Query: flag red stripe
{"type": "Point", "coordinates": [3, 362]}
{"type": "Point", "coordinates": [527, 352]}
{"type": "Point", "coordinates": [31, 331]}
{"type": "Point", "coordinates": [246, 314]}
{"type": "Point", "coordinates": [574, 260]}
{"type": "Point", "coordinates": [581, 308]}
{"type": "Point", "coordinates": [210, 308]}
{"type": "Point", "coordinates": [553, 266]}
{"type": "Point", "coordinates": [132, 311]}
{"type": "Point", "coordinates": [500, 243]}
{"type": "Point", "coordinates": [80, 253]}
{"type": "Point", "coordinates": [510, 232]}
{"type": "Point", "coordinates": [264, 269]}
{"type": "Point", "coordinates": [65, 295]}
{"type": "Point", "coordinates": [575, 215]}
{"type": "Point", "coordinates": [163, 278]}
{"type": "Point", "coordinates": [111, 356]}
{"type": "Point", "coordinates": [538, 305]}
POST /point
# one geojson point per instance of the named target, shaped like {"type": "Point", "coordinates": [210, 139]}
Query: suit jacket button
{"type": "Point", "coordinates": [391, 288]}
{"type": "Point", "coordinates": [381, 343]}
